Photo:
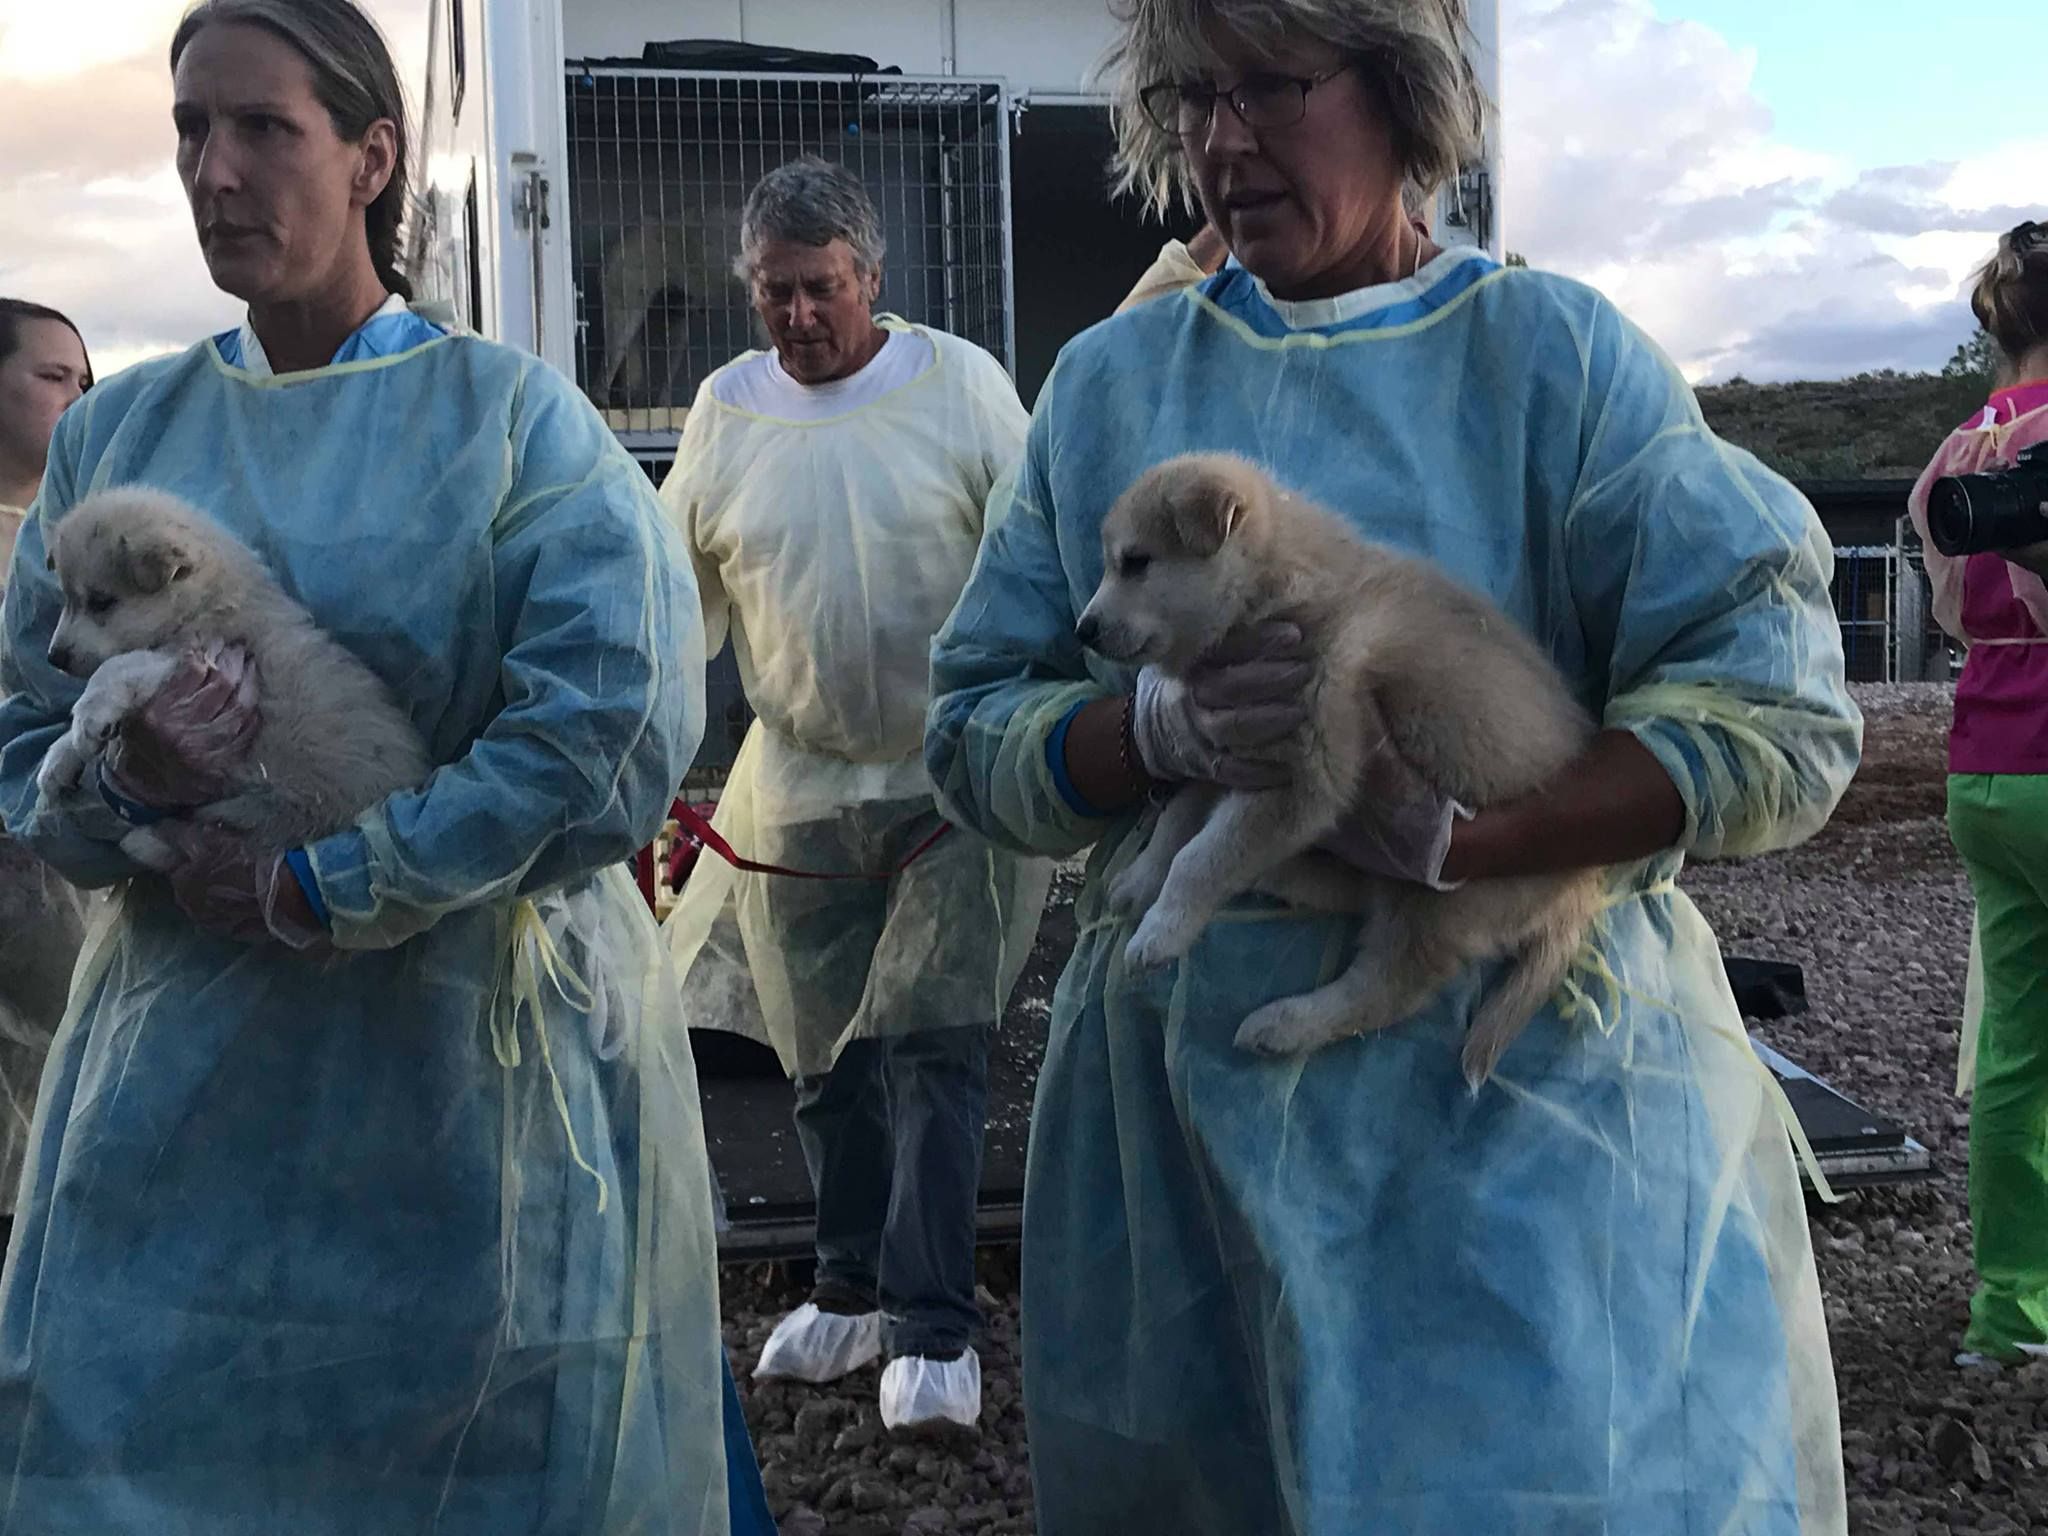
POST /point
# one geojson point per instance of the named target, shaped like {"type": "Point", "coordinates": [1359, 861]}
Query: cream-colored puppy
{"type": "Point", "coordinates": [1407, 662]}
{"type": "Point", "coordinates": [148, 577]}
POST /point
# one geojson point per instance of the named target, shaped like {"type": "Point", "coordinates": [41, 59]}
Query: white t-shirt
{"type": "Point", "coordinates": [759, 386]}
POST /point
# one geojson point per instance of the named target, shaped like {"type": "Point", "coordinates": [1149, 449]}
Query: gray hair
{"type": "Point", "coordinates": [1413, 52]}
{"type": "Point", "coordinates": [810, 201]}
{"type": "Point", "coordinates": [353, 77]}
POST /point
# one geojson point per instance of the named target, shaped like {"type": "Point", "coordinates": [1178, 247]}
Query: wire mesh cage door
{"type": "Point", "coordinates": [1865, 582]}
{"type": "Point", "coordinates": [661, 161]}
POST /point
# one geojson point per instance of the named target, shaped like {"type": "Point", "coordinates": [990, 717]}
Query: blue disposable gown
{"type": "Point", "coordinates": [423, 1240]}
{"type": "Point", "coordinates": [1337, 1294]}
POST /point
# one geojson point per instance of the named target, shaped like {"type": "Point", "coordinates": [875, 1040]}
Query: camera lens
{"type": "Point", "coordinates": [1949, 518]}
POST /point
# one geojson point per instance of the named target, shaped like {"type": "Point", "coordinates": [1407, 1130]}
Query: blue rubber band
{"type": "Point", "coordinates": [1056, 762]}
{"type": "Point", "coordinates": [134, 812]}
{"type": "Point", "coordinates": [301, 867]}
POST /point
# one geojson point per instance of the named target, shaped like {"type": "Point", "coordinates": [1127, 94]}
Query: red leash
{"type": "Point", "coordinates": [699, 833]}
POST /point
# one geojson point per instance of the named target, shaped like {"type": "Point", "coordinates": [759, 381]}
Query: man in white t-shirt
{"type": "Point", "coordinates": [830, 490]}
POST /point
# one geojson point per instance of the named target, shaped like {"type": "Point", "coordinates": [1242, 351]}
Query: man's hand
{"type": "Point", "coordinates": [2032, 557]}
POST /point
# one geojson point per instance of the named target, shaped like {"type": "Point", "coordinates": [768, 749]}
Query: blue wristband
{"type": "Point", "coordinates": [1056, 764]}
{"type": "Point", "coordinates": [301, 867]}
{"type": "Point", "coordinates": [134, 812]}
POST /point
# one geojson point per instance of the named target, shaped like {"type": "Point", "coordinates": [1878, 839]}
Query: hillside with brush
{"type": "Point", "coordinates": [1875, 426]}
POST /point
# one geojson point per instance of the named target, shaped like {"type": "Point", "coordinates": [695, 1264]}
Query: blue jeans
{"type": "Point", "coordinates": [892, 1137]}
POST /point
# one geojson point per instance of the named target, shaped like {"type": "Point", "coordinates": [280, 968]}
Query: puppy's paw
{"type": "Point", "coordinates": [1289, 1027]}
{"type": "Point", "coordinates": [97, 716]}
{"type": "Point", "coordinates": [1135, 889]}
{"type": "Point", "coordinates": [63, 768]}
{"type": "Point", "coordinates": [1164, 936]}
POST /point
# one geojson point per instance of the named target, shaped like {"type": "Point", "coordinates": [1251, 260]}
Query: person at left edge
{"type": "Point", "coordinates": [419, 1238]}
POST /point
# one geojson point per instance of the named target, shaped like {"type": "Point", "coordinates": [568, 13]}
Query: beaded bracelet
{"type": "Point", "coordinates": [1127, 745]}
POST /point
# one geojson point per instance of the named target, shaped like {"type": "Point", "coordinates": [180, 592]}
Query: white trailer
{"type": "Point", "coordinates": [582, 183]}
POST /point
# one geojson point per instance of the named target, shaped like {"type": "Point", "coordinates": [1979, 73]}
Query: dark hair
{"type": "Point", "coordinates": [355, 80]}
{"type": "Point", "coordinates": [2011, 296]}
{"type": "Point", "coordinates": [14, 311]}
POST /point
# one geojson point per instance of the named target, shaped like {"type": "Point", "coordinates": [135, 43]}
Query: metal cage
{"type": "Point", "coordinates": [1865, 584]}
{"type": "Point", "coordinates": [661, 161]}
{"type": "Point", "coordinates": [1921, 652]}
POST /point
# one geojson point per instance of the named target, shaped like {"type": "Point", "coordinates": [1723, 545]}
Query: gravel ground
{"type": "Point", "coordinates": [1876, 911]}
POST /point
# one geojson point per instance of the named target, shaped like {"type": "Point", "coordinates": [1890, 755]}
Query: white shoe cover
{"type": "Point", "coordinates": [809, 1345]}
{"type": "Point", "coordinates": [917, 1392]}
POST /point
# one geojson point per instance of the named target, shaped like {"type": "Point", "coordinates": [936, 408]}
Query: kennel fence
{"type": "Point", "coordinates": [661, 161]}
{"type": "Point", "coordinates": [1865, 589]}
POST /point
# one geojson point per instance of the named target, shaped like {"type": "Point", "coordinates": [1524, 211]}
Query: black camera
{"type": "Point", "coordinates": [2004, 509]}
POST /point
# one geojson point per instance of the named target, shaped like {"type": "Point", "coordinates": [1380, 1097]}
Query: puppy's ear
{"type": "Point", "coordinates": [1206, 514]}
{"type": "Point", "coordinates": [153, 564]}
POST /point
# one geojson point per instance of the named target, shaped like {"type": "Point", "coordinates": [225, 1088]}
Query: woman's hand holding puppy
{"type": "Point", "coordinates": [230, 889]}
{"type": "Point", "coordinates": [185, 746]}
{"type": "Point", "coordinates": [1235, 721]}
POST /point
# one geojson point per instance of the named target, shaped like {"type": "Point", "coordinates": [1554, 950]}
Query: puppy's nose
{"type": "Point", "coordinates": [1088, 629]}
{"type": "Point", "coordinates": [60, 656]}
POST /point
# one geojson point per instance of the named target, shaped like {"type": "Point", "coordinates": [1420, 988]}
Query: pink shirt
{"type": "Point", "coordinates": [1999, 610]}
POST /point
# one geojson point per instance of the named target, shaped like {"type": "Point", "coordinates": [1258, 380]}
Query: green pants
{"type": "Point", "coordinates": [1999, 823]}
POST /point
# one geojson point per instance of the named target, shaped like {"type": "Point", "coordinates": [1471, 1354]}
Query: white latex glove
{"type": "Point", "coordinates": [1398, 827]}
{"type": "Point", "coordinates": [1234, 720]}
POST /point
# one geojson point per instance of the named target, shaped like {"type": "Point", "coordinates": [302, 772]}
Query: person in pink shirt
{"type": "Point", "coordinates": [1997, 605]}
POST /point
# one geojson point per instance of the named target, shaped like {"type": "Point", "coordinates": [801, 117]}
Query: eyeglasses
{"type": "Point", "coordinates": [1184, 107]}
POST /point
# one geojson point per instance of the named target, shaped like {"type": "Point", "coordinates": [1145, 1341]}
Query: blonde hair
{"type": "Point", "coordinates": [1413, 51]}
{"type": "Point", "coordinates": [2011, 294]}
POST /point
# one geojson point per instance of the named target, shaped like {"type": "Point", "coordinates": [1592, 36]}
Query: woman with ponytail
{"type": "Point", "coordinates": [1997, 605]}
{"type": "Point", "coordinates": [367, 1189]}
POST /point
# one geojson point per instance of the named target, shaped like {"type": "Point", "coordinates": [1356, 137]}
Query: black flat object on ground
{"type": "Point", "coordinates": [1856, 1149]}
{"type": "Point", "coordinates": [1765, 989]}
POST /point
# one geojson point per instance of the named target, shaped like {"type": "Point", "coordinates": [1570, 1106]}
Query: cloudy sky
{"type": "Point", "coordinates": [1775, 188]}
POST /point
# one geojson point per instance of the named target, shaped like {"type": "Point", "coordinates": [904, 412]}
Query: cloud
{"type": "Point", "coordinates": [96, 222]}
{"type": "Point", "coordinates": [1882, 203]}
{"type": "Point", "coordinates": [1639, 157]}
{"type": "Point", "coordinates": [44, 41]}
{"type": "Point", "coordinates": [119, 257]}
{"type": "Point", "coordinates": [120, 125]}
